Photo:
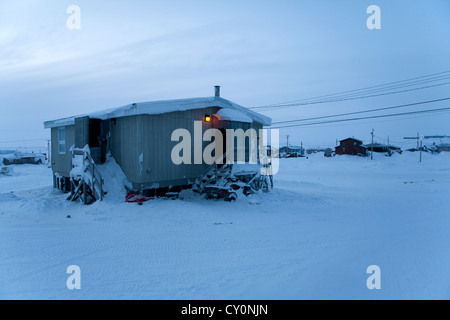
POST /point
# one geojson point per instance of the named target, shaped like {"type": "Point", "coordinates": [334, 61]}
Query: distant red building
{"type": "Point", "coordinates": [351, 146]}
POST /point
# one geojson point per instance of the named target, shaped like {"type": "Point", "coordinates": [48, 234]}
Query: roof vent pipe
{"type": "Point", "coordinates": [217, 91]}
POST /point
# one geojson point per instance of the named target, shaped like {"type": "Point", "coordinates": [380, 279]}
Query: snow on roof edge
{"type": "Point", "coordinates": [233, 115]}
{"type": "Point", "coordinates": [60, 122]}
{"type": "Point", "coordinates": [161, 107]}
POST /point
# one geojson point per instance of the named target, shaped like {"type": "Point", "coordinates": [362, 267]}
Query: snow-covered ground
{"type": "Point", "coordinates": [313, 236]}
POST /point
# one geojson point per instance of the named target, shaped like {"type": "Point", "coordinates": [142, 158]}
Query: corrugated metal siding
{"type": "Point", "coordinates": [62, 163]}
{"type": "Point", "coordinates": [124, 146]}
{"type": "Point", "coordinates": [157, 146]}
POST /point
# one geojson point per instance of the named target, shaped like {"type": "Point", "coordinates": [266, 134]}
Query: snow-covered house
{"type": "Point", "coordinates": [351, 146]}
{"type": "Point", "coordinates": [292, 151]}
{"type": "Point", "coordinates": [138, 137]}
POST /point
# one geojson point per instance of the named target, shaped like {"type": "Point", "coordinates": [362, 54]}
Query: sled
{"type": "Point", "coordinates": [139, 199]}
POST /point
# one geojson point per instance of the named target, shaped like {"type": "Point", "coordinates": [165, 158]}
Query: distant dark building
{"type": "Point", "coordinates": [290, 151]}
{"type": "Point", "coordinates": [316, 150]}
{"type": "Point", "coordinates": [443, 147]}
{"type": "Point", "coordinates": [383, 148]}
{"type": "Point", "coordinates": [327, 152]}
{"type": "Point", "coordinates": [351, 146]}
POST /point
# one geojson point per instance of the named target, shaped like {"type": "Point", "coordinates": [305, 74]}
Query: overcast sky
{"type": "Point", "coordinates": [260, 52]}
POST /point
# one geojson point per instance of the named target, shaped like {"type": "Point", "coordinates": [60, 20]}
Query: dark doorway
{"type": "Point", "coordinates": [97, 141]}
{"type": "Point", "coordinates": [94, 133]}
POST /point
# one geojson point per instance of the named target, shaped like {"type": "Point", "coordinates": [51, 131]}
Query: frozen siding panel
{"type": "Point", "coordinates": [81, 132]}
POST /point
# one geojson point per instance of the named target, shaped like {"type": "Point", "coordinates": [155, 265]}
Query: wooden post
{"type": "Point", "coordinates": [371, 154]}
{"type": "Point", "coordinates": [215, 173]}
{"type": "Point", "coordinates": [84, 192]}
{"type": "Point", "coordinates": [101, 190]}
{"type": "Point", "coordinates": [420, 150]}
{"type": "Point", "coordinates": [48, 152]}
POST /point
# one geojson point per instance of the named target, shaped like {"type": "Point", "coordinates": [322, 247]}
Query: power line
{"type": "Point", "coordinates": [366, 91]}
{"type": "Point", "coordinates": [382, 87]}
{"type": "Point", "coordinates": [355, 90]}
{"type": "Point", "coordinates": [376, 86]}
{"type": "Point", "coordinates": [374, 121]}
{"type": "Point", "coordinates": [352, 98]}
{"type": "Point", "coordinates": [364, 111]}
{"type": "Point", "coordinates": [386, 140]}
{"type": "Point", "coordinates": [364, 118]}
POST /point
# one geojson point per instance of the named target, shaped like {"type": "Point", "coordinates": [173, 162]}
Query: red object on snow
{"type": "Point", "coordinates": [131, 197]}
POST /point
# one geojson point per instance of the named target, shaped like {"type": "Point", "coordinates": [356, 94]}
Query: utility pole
{"type": "Point", "coordinates": [48, 152]}
{"type": "Point", "coordinates": [417, 141]}
{"type": "Point", "coordinates": [371, 154]}
{"type": "Point", "coordinates": [421, 144]}
{"type": "Point", "coordinates": [388, 141]}
{"type": "Point", "coordinates": [301, 148]}
{"type": "Point", "coordinates": [287, 143]}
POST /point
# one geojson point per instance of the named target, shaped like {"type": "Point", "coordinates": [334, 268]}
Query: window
{"type": "Point", "coordinates": [61, 140]}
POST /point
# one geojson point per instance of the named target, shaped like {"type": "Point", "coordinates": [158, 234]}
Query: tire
{"type": "Point", "coordinates": [231, 197]}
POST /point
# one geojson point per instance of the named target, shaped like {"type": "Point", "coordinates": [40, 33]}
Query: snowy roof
{"type": "Point", "coordinates": [379, 145]}
{"type": "Point", "coordinates": [375, 144]}
{"type": "Point", "coordinates": [351, 139]}
{"type": "Point", "coordinates": [233, 115]}
{"type": "Point", "coordinates": [234, 111]}
{"type": "Point", "coordinates": [291, 147]}
{"type": "Point", "coordinates": [20, 155]}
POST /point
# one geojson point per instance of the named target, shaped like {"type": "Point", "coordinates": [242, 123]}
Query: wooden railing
{"type": "Point", "coordinates": [95, 182]}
